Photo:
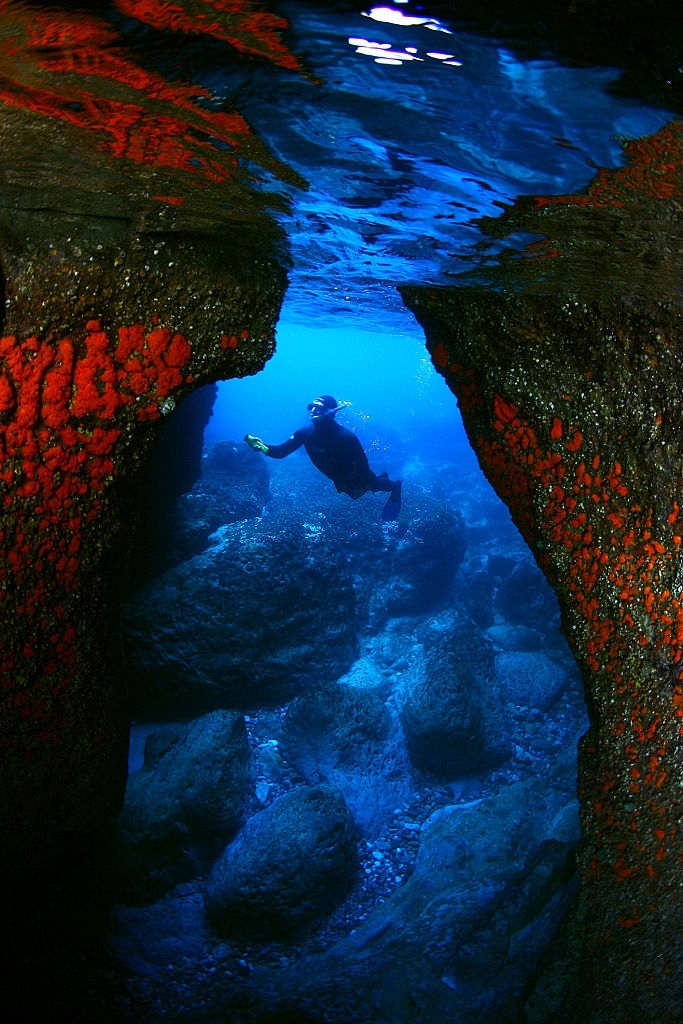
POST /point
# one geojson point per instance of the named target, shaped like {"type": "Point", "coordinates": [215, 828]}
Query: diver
{"type": "Point", "coordinates": [337, 453]}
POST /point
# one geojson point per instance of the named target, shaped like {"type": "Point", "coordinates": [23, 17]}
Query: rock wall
{"type": "Point", "coordinates": [573, 408]}
{"type": "Point", "coordinates": [567, 370]}
{"type": "Point", "coordinates": [128, 283]}
{"type": "Point", "coordinates": [79, 410]}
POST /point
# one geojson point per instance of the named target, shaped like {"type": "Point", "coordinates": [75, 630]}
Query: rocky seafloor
{"type": "Point", "coordinates": [353, 769]}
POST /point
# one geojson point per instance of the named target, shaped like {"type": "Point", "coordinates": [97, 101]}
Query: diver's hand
{"type": "Point", "coordinates": [256, 443]}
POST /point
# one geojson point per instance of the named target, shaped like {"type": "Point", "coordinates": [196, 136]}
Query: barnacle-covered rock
{"type": "Point", "coordinates": [127, 283]}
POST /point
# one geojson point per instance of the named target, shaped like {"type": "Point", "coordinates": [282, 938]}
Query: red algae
{"type": "Point", "coordinates": [651, 170]}
{"type": "Point", "coordinates": [78, 71]}
{"type": "Point", "coordinates": [602, 516]}
{"type": "Point", "coordinates": [61, 428]}
{"type": "Point", "coordinates": [574, 232]}
{"type": "Point", "coordinates": [589, 558]}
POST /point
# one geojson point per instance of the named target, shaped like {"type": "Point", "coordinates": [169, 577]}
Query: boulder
{"type": "Point", "coordinates": [530, 678]}
{"type": "Point", "coordinates": [525, 598]}
{"type": "Point", "coordinates": [347, 737]}
{"type": "Point", "coordinates": [233, 485]}
{"type": "Point", "coordinates": [426, 558]}
{"type": "Point", "coordinates": [475, 593]}
{"type": "Point", "coordinates": [462, 938]}
{"type": "Point", "coordinates": [453, 718]}
{"type": "Point", "coordinates": [514, 638]}
{"type": "Point", "coordinates": [291, 863]}
{"type": "Point", "coordinates": [183, 805]}
{"type": "Point", "coordinates": [269, 609]}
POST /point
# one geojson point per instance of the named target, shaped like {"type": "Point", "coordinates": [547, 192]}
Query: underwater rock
{"type": "Point", "coordinates": [95, 369]}
{"type": "Point", "coordinates": [452, 629]}
{"type": "Point", "coordinates": [460, 939]}
{"type": "Point", "coordinates": [232, 485]}
{"type": "Point", "coordinates": [348, 738]}
{"type": "Point", "coordinates": [474, 592]}
{"type": "Point", "coordinates": [453, 716]}
{"type": "Point", "coordinates": [172, 470]}
{"type": "Point", "coordinates": [530, 678]}
{"type": "Point", "coordinates": [426, 559]}
{"type": "Point", "coordinates": [334, 522]}
{"type": "Point", "coordinates": [129, 280]}
{"type": "Point", "coordinates": [571, 397]}
{"type": "Point", "coordinates": [290, 863]}
{"type": "Point", "coordinates": [183, 804]}
{"type": "Point", "coordinates": [514, 638]}
{"type": "Point", "coordinates": [254, 620]}
{"type": "Point", "coordinates": [525, 598]}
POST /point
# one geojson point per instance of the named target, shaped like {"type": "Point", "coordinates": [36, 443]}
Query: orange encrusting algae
{"type": "Point", "coordinates": [616, 563]}
{"type": "Point", "coordinates": [616, 552]}
{"type": "Point", "coordinates": [61, 428]}
{"type": "Point", "coordinates": [651, 170]}
{"type": "Point", "coordinates": [569, 384]}
{"type": "Point", "coordinates": [79, 71]}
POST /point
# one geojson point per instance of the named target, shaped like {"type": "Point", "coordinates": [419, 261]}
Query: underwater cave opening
{"type": "Point", "coordinates": [385, 376]}
{"type": "Point", "coordinates": [303, 668]}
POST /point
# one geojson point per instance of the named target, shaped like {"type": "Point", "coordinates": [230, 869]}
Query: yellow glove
{"type": "Point", "coordinates": [256, 443]}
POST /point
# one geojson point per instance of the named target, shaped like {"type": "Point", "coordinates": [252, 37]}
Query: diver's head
{"type": "Point", "coordinates": [325, 407]}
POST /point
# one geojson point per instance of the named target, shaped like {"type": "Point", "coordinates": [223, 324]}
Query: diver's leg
{"type": "Point", "coordinates": [392, 507]}
{"type": "Point", "coordinates": [381, 483]}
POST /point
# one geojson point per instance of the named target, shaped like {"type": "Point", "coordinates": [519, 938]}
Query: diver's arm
{"type": "Point", "coordinates": [276, 451]}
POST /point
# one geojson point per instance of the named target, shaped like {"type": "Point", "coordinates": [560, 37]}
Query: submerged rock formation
{"type": "Point", "coordinates": [291, 862]}
{"type": "Point", "coordinates": [462, 798]}
{"type": "Point", "coordinates": [571, 397]}
{"type": "Point", "coordinates": [458, 940]}
{"type": "Point", "coordinates": [188, 799]}
{"type": "Point", "coordinates": [125, 288]}
{"type": "Point", "coordinates": [79, 411]}
{"type": "Point", "coordinates": [252, 620]}
{"type": "Point", "coordinates": [130, 285]}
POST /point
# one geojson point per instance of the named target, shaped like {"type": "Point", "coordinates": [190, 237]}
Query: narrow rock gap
{"type": "Point", "coordinates": [416, 669]}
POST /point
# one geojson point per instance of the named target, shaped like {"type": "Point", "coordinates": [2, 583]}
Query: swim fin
{"type": "Point", "coordinates": [392, 507]}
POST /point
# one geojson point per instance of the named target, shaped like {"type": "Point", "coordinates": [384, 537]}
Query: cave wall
{"type": "Point", "coordinates": [80, 408]}
{"type": "Point", "coordinates": [566, 362]}
{"type": "Point", "coordinates": [574, 411]}
{"type": "Point", "coordinates": [140, 262]}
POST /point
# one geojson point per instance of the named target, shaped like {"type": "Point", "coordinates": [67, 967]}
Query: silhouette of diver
{"type": "Point", "coordinates": [337, 453]}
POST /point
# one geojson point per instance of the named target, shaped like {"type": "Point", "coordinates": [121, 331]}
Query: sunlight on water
{"type": "Point", "coordinates": [390, 16]}
{"type": "Point", "coordinates": [412, 139]}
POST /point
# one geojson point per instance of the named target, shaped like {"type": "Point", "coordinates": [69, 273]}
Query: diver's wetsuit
{"type": "Point", "coordinates": [337, 453]}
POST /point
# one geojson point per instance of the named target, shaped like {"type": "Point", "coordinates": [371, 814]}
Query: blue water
{"type": "Point", "coordinates": [412, 132]}
{"type": "Point", "coordinates": [388, 378]}
{"type": "Point", "coordinates": [402, 156]}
